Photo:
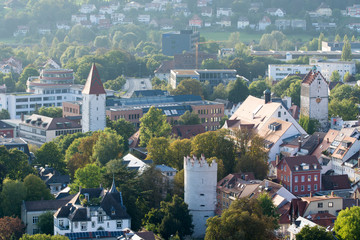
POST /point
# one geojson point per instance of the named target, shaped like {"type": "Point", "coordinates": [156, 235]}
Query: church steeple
{"type": "Point", "coordinates": [113, 187]}
{"type": "Point", "coordinates": [93, 83]}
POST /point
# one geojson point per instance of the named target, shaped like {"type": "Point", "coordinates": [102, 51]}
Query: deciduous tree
{"type": "Point", "coordinates": [189, 118]}
{"type": "Point", "coordinates": [46, 223]}
{"type": "Point", "coordinates": [158, 148]}
{"type": "Point", "coordinates": [335, 76]}
{"type": "Point", "coordinates": [12, 194]}
{"type": "Point", "coordinates": [11, 228]}
{"type": "Point", "coordinates": [314, 233]}
{"type": "Point", "coordinates": [251, 222]}
{"type": "Point", "coordinates": [153, 124]}
{"type": "Point", "coordinates": [347, 223]}
{"type": "Point", "coordinates": [36, 189]}
{"type": "Point", "coordinates": [237, 91]}
{"type": "Point", "coordinates": [50, 154]}
{"type": "Point", "coordinates": [172, 218]}
{"type": "Point", "coordinates": [89, 176]}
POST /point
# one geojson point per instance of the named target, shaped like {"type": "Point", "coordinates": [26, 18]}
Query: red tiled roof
{"type": "Point", "coordinates": [93, 83]}
{"type": "Point", "coordinates": [298, 160]}
{"type": "Point", "coordinates": [311, 76]}
{"type": "Point", "coordinates": [187, 131]}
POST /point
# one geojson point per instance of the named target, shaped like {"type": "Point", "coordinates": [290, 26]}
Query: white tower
{"type": "Point", "coordinates": [314, 97]}
{"type": "Point", "coordinates": [200, 180]}
{"type": "Point", "coordinates": [94, 102]}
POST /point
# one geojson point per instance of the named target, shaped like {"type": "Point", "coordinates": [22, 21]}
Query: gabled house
{"type": "Point", "coordinates": [277, 12]}
{"type": "Point", "coordinates": [144, 18]}
{"type": "Point", "coordinates": [354, 10]}
{"type": "Point", "coordinates": [223, 12]}
{"type": "Point", "coordinates": [132, 5]}
{"type": "Point", "coordinates": [264, 22]}
{"type": "Point", "coordinates": [324, 10]}
{"type": "Point", "coordinates": [206, 11]}
{"type": "Point", "coordinates": [106, 10]}
{"type": "Point", "coordinates": [78, 18]}
{"type": "Point", "coordinates": [300, 175]}
{"type": "Point", "coordinates": [224, 22]}
{"type": "Point", "coordinates": [243, 22]}
{"type": "Point", "coordinates": [282, 24]}
{"type": "Point", "coordinates": [195, 21]}
{"type": "Point", "coordinates": [54, 180]}
{"type": "Point", "coordinates": [87, 8]}
{"type": "Point", "coordinates": [90, 210]}
{"type": "Point", "coordinates": [95, 18]}
{"type": "Point", "coordinates": [117, 18]}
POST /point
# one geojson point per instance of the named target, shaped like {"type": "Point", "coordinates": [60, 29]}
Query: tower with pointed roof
{"type": "Point", "coordinates": [94, 102]}
{"type": "Point", "coordinates": [314, 97]}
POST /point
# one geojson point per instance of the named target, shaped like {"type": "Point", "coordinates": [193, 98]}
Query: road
{"type": "Point", "coordinates": [133, 84]}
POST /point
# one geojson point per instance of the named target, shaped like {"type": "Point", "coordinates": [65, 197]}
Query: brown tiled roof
{"type": "Point", "coordinates": [298, 160]}
{"type": "Point", "coordinates": [187, 131]}
{"type": "Point", "coordinates": [328, 139]}
{"type": "Point", "coordinates": [335, 182]}
{"type": "Point", "coordinates": [165, 67]}
{"type": "Point", "coordinates": [93, 83]}
{"type": "Point", "coordinates": [311, 76]}
{"type": "Point", "coordinates": [146, 235]}
{"type": "Point", "coordinates": [323, 219]}
{"type": "Point", "coordinates": [294, 110]}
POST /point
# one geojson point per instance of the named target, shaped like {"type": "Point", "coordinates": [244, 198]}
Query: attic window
{"type": "Point", "coordinates": [113, 212]}
{"type": "Point", "coordinates": [296, 168]}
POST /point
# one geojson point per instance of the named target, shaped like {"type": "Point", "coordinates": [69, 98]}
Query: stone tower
{"type": "Point", "coordinates": [200, 180]}
{"type": "Point", "coordinates": [94, 102]}
{"type": "Point", "coordinates": [314, 97]}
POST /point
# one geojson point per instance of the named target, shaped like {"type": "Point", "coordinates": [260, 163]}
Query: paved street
{"type": "Point", "coordinates": [133, 84]}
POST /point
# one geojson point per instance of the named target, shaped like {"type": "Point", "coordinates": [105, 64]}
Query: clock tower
{"type": "Point", "coordinates": [314, 97]}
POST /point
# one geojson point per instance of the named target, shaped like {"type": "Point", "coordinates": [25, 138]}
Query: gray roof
{"type": "Point", "coordinates": [45, 205]}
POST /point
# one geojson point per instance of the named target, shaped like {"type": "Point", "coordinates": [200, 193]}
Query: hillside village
{"type": "Point", "coordinates": [135, 126]}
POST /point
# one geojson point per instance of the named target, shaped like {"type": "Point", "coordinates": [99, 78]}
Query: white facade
{"type": "Point", "coordinates": [93, 115]}
{"type": "Point", "coordinates": [314, 97]}
{"type": "Point", "coordinates": [200, 179]}
{"type": "Point", "coordinates": [26, 103]}
{"type": "Point", "coordinates": [98, 220]}
{"type": "Point", "coordinates": [278, 72]}
{"type": "Point", "coordinates": [328, 67]}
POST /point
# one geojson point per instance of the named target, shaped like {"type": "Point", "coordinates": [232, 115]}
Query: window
{"type": "Point", "coordinates": [309, 187]}
{"type": "Point", "coordinates": [279, 114]}
{"type": "Point", "coordinates": [83, 226]}
{"type": "Point", "coordinates": [320, 205]}
{"type": "Point", "coordinates": [296, 179]}
{"type": "Point", "coordinates": [309, 178]}
{"type": "Point", "coordinates": [119, 224]}
{"type": "Point", "coordinates": [315, 177]}
{"type": "Point", "coordinates": [35, 219]}
{"type": "Point", "coordinates": [285, 168]}
{"type": "Point", "coordinates": [330, 204]}
{"type": "Point", "coordinates": [92, 224]}
{"type": "Point", "coordinates": [61, 223]}
{"type": "Point", "coordinates": [302, 178]}
{"type": "Point", "coordinates": [302, 188]}
{"type": "Point", "coordinates": [288, 179]}
{"type": "Point", "coordinates": [76, 225]}
{"type": "Point", "coordinates": [100, 219]}
{"type": "Point", "coordinates": [315, 187]}
{"type": "Point", "coordinates": [296, 188]}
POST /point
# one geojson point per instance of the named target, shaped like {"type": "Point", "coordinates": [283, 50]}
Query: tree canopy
{"type": "Point", "coordinates": [172, 218]}
{"type": "Point", "coordinates": [251, 222]}
{"type": "Point", "coordinates": [153, 124]}
{"type": "Point", "coordinates": [314, 233]}
{"type": "Point", "coordinates": [347, 224]}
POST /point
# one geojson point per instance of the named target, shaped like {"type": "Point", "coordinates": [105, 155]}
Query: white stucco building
{"type": "Point", "coordinates": [328, 67]}
{"type": "Point", "coordinates": [200, 180]}
{"type": "Point", "coordinates": [91, 210]}
{"type": "Point", "coordinates": [277, 72]}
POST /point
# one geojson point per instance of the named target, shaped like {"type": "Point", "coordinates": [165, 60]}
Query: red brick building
{"type": "Point", "coordinates": [300, 175]}
{"type": "Point", "coordinates": [6, 130]}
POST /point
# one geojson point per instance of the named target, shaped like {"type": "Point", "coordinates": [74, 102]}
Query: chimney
{"type": "Point", "coordinates": [22, 117]}
{"type": "Point", "coordinates": [332, 193]}
{"type": "Point", "coordinates": [327, 140]}
{"type": "Point", "coordinates": [267, 96]}
{"type": "Point", "coordinates": [246, 177]}
{"type": "Point", "coordinates": [277, 159]}
{"type": "Point", "coordinates": [88, 212]}
{"type": "Point", "coordinates": [299, 141]}
{"type": "Point", "coordinates": [311, 194]}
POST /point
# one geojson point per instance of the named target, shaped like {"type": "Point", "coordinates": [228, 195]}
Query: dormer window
{"type": "Point", "coordinates": [296, 168]}
{"type": "Point", "coordinates": [86, 196]}
{"type": "Point", "coordinates": [315, 166]}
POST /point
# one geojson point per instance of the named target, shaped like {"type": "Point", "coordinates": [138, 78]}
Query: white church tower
{"type": "Point", "coordinates": [314, 98]}
{"type": "Point", "coordinates": [200, 180]}
{"type": "Point", "coordinates": [94, 102]}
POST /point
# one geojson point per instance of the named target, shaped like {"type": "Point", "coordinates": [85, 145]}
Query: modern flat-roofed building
{"type": "Point", "coordinates": [277, 72]}
{"type": "Point", "coordinates": [177, 42]}
{"type": "Point", "coordinates": [213, 76]}
{"type": "Point", "coordinates": [328, 67]}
